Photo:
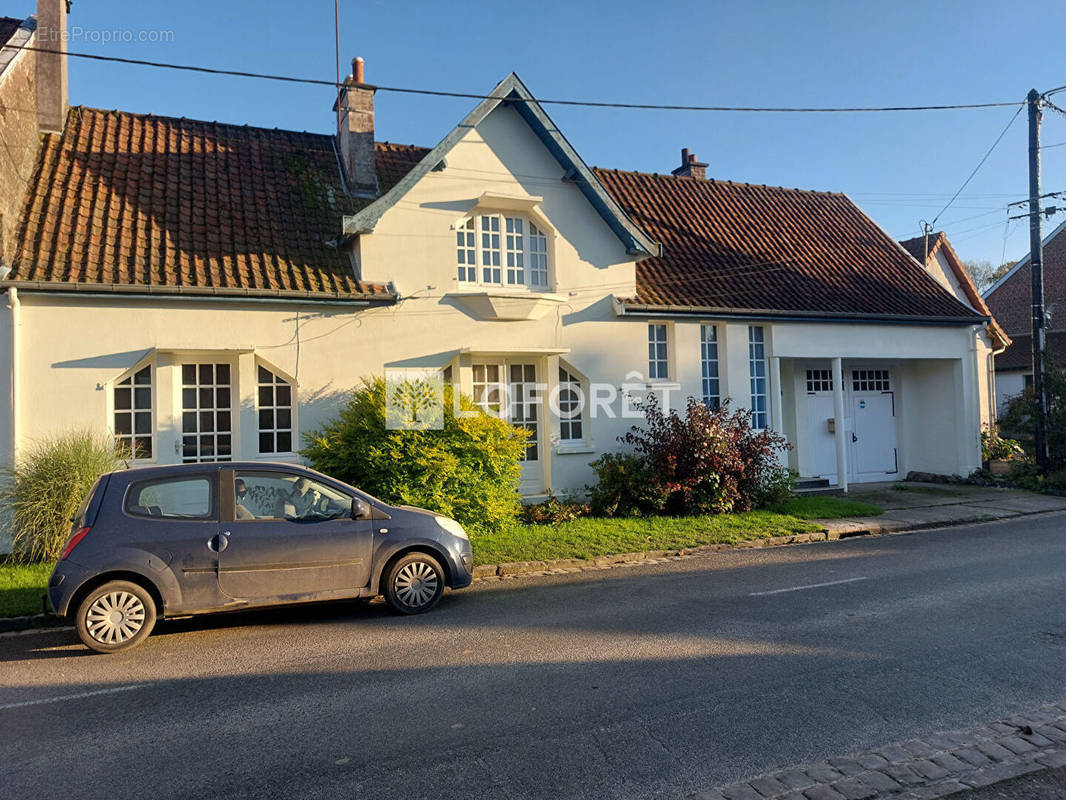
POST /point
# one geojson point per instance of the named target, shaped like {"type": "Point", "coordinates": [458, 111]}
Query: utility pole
{"type": "Point", "coordinates": [1037, 269]}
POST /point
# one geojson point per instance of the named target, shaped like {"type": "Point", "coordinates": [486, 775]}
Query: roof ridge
{"type": "Point", "coordinates": [699, 181]}
{"type": "Point", "coordinates": [242, 126]}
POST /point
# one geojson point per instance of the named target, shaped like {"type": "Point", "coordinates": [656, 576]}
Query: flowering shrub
{"type": "Point", "coordinates": [708, 462]}
{"type": "Point", "coordinates": [997, 448]}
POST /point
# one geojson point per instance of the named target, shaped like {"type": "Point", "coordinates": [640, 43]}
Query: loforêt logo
{"type": "Point", "coordinates": [414, 400]}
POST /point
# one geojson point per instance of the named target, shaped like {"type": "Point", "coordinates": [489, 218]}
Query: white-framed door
{"type": "Point", "coordinates": [510, 388]}
{"type": "Point", "coordinates": [871, 403]}
{"type": "Point", "coordinates": [869, 424]}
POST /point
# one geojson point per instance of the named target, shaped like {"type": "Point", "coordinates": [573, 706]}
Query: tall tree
{"type": "Point", "coordinates": [984, 274]}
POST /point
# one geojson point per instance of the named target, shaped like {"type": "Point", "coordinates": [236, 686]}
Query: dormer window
{"type": "Point", "coordinates": [502, 250]}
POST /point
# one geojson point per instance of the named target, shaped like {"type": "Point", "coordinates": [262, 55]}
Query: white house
{"type": "Point", "coordinates": [212, 291]}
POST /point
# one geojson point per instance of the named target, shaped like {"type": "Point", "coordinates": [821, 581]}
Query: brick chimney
{"type": "Point", "coordinates": [355, 132]}
{"type": "Point", "coordinates": [690, 167]}
{"type": "Point", "coordinates": [51, 67]}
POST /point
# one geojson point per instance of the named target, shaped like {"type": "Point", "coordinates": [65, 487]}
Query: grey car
{"type": "Point", "coordinates": [202, 538]}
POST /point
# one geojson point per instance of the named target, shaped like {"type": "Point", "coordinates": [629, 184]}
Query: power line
{"type": "Point", "coordinates": [477, 96]}
{"type": "Point", "coordinates": [980, 163]}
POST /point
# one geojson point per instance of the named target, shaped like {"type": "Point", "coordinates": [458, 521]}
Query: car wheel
{"type": "Point", "coordinates": [414, 584]}
{"type": "Point", "coordinates": [115, 616]}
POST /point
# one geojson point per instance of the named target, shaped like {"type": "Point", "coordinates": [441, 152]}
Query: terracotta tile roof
{"type": "Point", "coordinates": [939, 241]}
{"type": "Point", "coordinates": [139, 202]}
{"type": "Point", "coordinates": [8, 26]}
{"type": "Point", "coordinates": [764, 248]}
{"type": "Point", "coordinates": [396, 160]}
{"type": "Point", "coordinates": [1011, 303]}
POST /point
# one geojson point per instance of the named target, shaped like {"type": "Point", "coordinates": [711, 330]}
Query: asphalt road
{"type": "Point", "coordinates": [650, 681]}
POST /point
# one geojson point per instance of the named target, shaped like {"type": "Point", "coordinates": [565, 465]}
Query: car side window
{"type": "Point", "coordinates": [281, 495]}
{"type": "Point", "coordinates": [175, 498]}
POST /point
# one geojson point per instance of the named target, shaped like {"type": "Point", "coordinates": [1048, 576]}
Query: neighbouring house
{"type": "Point", "coordinates": [1011, 300]}
{"type": "Point", "coordinates": [943, 263]}
{"type": "Point", "coordinates": [211, 291]}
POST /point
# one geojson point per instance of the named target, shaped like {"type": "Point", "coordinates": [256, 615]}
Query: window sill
{"type": "Point", "coordinates": [575, 449]}
{"type": "Point", "coordinates": [506, 305]}
{"type": "Point", "coordinates": [286, 458]}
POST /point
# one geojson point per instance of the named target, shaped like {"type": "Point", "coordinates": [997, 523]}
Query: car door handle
{"type": "Point", "coordinates": [854, 438]}
{"type": "Point", "coordinates": [218, 542]}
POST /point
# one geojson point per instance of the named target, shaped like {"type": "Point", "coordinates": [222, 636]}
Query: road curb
{"type": "Point", "coordinates": [36, 622]}
{"type": "Point", "coordinates": [834, 531]}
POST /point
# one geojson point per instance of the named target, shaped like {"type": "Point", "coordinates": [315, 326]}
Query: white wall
{"type": "Point", "coordinates": [1008, 384]}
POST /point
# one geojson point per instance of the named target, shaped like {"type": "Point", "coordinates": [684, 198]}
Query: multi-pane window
{"type": "Point", "coordinates": [133, 414]}
{"type": "Point", "coordinates": [571, 405]}
{"type": "Point", "coordinates": [511, 251]}
{"type": "Point", "coordinates": [538, 256]}
{"type": "Point", "coordinates": [206, 413]}
{"type": "Point", "coordinates": [275, 413]}
{"type": "Point", "coordinates": [488, 389]}
{"type": "Point", "coordinates": [490, 249]}
{"type": "Point", "coordinates": [712, 396]}
{"type": "Point", "coordinates": [870, 380]}
{"type": "Point", "coordinates": [524, 404]}
{"type": "Point", "coordinates": [658, 360]}
{"type": "Point", "coordinates": [515, 250]}
{"type": "Point", "coordinates": [757, 373]}
{"type": "Point", "coordinates": [819, 380]}
{"type": "Point", "coordinates": [466, 254]}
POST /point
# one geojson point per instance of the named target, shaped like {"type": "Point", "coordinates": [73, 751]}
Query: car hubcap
{"type": "Point", "coordinates": [115, 617]}
{"type": "Point", "coordinates": [416, 584]}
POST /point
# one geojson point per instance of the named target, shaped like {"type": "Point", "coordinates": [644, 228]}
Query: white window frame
{"type": "Point", "coordinates": [200, 434]}
{"type": "Point", "coordinates": [577, 381]}
{"type": "Point", "coordinates": [510, 251]}
{"type": "Point", "coordinates": [658, 351]}
{"type": "Point", "coordinates": [710, 366]}
{"type": "Point", "coordinates": [133, 410]}
{"type": "Point", "coordinates": [280, 379]}
{"type": "Point", "coordinates": [759, 380]}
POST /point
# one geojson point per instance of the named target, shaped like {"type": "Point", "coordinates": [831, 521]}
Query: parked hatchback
{"type": "Point", "coordinates": [202, 538]}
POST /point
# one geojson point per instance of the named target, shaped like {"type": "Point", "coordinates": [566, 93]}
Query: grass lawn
{"type": "Point", "coordinates": [592, 536]}
{"type": "Point", "coordinates": [21, 587]}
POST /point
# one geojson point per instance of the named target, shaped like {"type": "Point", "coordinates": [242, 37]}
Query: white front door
{"type": "Point", "coordinates": [873, 453]}
{"type": "Point", "coordinates": [509, 390]}
{"type": "Point", "coordinates": [821, 442]}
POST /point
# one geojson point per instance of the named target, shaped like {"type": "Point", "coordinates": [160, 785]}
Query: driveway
{"type": "Point", "coordinates": [647, 681]}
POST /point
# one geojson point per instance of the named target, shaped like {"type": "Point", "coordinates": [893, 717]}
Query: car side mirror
{"type": "Point", "coordinates": [360, 509]}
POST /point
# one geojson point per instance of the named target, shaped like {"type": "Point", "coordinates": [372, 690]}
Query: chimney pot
{"type": "Point", "coordinates": [355, 133]}
{"type": "Point", "coordinates": [690, 167]}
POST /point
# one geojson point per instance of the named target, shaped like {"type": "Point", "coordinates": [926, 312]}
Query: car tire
{"type": "Point", "coordinates": [414, 584]}
{"type": "Point", "coordinates": [115, 616]}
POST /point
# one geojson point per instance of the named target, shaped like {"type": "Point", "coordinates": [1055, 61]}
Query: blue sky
{"type": "Point", "coordinates": [899, 167]}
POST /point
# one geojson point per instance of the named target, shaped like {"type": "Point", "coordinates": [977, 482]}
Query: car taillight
{"type": "Point", "coordinates": [72, 542]}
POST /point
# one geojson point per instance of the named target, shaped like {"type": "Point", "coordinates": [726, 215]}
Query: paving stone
{"type": "Point", "coordinates": [768, 786]}
{"type": "Point", "coordinates": [740, 791]}
{"type": "Point", "coordinates": [794, 779]}
{"type": "Point", "coordinates": [879, 781]}
{"type": "Point", "coordinates": [941, 742]}
{"type": "Point", "coordinates": [973, 756]}
{"type": "Point", "coordinates": [848, 766]}
{"type": "Point", "coordinates": [1036, 739]}
{"type": "Point", "coordinates": [854, 789]}
{"type": "Point", "coordinates": [929, 770]}
{"type": "Point", "coordinates": [1003, 727]}
{"type": "Point", "coordinates": [714, 794]}
{"type": "Point", "coordinates": [823, 792]}
{"type": "Point", "coordinates": [902, 774]}
{"type": "Point", "coordinates": [995, 752]}
{"type": "Point", "coordinates": [1000, 772]}
{"type": "Point", "coordinates": [935, 790]}
{"type": "Point", "coordinates": [1051, 732]}
{"type": "Point", "coordinates": [1053, 760]}
{"type": "Point", "coordinates": [822, 773]}
{"type": "Point", "coordinates": [893, 754]}
{"type": "Point", "coordinates": [1018, 745]}
{"type": "Point", "coordinates": [962, 739]}
{"type": "Point", "coordinates": [950, 763]}
{"type": "Point", "coordinates": [919, 748]}
{"type": "Point", "coordinates": [873, 760]}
